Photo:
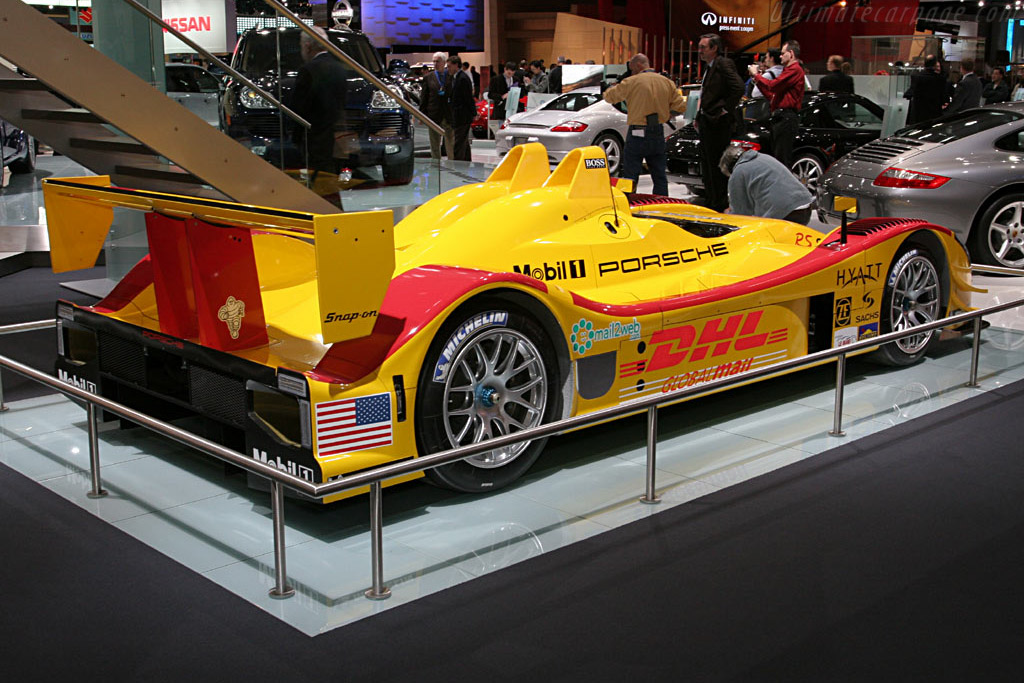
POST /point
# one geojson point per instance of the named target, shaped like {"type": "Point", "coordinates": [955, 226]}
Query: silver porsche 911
{"type": "Point", "coordinates": [964, 172]}
{"type": "Point", "coordinates": [576, 119]}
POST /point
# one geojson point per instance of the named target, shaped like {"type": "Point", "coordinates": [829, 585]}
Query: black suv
{"type": "Point", "coordinates": [383, 128]}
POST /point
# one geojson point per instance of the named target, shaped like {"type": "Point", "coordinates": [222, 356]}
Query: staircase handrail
{"type": "Point", "coordinates": [188, 41]}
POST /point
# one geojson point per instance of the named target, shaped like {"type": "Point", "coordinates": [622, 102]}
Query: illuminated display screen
{"type": "Point", "coordinates": [430, 25]}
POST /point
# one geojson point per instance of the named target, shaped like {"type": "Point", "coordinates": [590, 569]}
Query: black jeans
{"type": "Point", "coordinates": [715, 135]}
{"type": "Point", "coordinates": [650, 146]}
{"type": "Point", "coordinates": [785, 124]}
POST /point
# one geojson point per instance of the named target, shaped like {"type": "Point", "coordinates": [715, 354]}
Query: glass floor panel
{"type": "Point", "coordinates": [190, 509]}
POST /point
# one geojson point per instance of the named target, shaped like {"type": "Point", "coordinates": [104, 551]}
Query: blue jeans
{"type": "Point", "coordinates": [650, 147]}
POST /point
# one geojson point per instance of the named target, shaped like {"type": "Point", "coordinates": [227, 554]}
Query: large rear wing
{"type": "Point", "coordinates": [202, 263]}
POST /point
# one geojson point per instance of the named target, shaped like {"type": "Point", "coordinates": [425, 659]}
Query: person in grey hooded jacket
{"type": "Point", "coordinates": [759, 185]}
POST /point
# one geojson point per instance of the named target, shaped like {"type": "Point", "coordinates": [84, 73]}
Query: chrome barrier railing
{"type": "Point", "coordinates": [375, 476]}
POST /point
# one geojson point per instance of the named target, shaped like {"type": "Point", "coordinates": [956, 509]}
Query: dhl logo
{"type": "Point", "coordinates": [716, 337]}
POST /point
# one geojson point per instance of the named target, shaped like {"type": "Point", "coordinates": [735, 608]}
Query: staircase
{"type": "Point", "coordinates": [99, 114]}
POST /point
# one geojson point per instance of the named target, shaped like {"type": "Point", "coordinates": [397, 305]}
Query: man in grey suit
{"type": "Point", "coordinates": [968, 90]}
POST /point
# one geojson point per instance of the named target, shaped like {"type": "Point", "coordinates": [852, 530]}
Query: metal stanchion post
{"type": "Point", "coordinates": [3, 406]}
{"type": "Point", "coordinates": [975, 349]}
{"type": "Point", "coordinates": [281, 588]}
{"type": "Point", "coordinates": [650, 497]}
{"type": "Point", "coordinates": [837, 424]}
{"type": "Point", "coordinates": [379, 591]}
{"type": "Point", "coordinates": [94, 453]}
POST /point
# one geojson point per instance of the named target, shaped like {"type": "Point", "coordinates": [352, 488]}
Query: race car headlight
{"type": "Point", "coordinates": [570, 127]}
{"type": "Point", "coordinates": [901, 177]}
{"type": "Point", "coordinates": [250, 99]}
{"type": "Point", "coordinates": [381, 100]}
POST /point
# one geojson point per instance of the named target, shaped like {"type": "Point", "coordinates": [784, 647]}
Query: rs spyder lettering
{"type": "Point", "coordinates": [664, 260]}
{"type": "Point", "coordinates": [477, 322]}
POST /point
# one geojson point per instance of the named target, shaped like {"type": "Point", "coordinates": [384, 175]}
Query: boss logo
{"type": "Point", "coordinates": [595, 163]}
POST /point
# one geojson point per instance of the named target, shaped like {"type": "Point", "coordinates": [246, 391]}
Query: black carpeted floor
{"type": "Point", "coordinates": [897, 557]}
{"type": "Point", "coordinates": [27, 296]}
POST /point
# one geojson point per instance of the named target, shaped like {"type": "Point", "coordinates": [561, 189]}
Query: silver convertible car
{"type": "Point", "coordinates": [576, 119]}
{"type": "Point", "coordinates": [965, 172]}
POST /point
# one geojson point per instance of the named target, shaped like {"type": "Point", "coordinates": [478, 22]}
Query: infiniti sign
{"type": "Point", "coordinates": [709, 19]}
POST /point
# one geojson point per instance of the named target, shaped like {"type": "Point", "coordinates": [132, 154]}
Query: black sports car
{"type": "Point", "coordinates": [831, 125]}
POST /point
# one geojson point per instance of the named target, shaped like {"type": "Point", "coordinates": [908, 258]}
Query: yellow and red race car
{"type": "Point", "coordinates": [327, 344]}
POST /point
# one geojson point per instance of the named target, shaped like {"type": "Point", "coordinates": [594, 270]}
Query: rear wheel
{"type": "Point", "coordinates": [808, 169]}
{"type": "Point", "coordinates": [489, 372]}
{"type": "Point", "coordinates": [998, 239]}
{"type": "Point", "coordinates": [612, 147]}
{"type": "Point", "coordinates": [912, 296]}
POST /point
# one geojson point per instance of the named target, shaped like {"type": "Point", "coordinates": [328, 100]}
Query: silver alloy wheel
{"type": "Point", "coordinates": [497, 385]}
{"type": "Point", "coordinates": [612, 150]}
{"type": "Point", "coordinates": [808, 171]}
{"type": "Point", "coordinates": [1006, 236]}
{"type": "Point", "coordinates": [915, 301]}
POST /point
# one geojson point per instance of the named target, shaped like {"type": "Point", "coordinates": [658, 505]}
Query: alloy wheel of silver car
{"type": "Point", "coordinates": [612, 149]}
{"type": "Point", "coordinates": [1005, 235]}
{"type": "Point", "coordinates": [916, 296]}
{"type": "Point", "coordinates": [497, 385]}
{"type": "Point", "coordinates": [808, 171]}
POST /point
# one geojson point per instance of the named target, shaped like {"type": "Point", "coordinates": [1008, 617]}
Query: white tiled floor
{"type": "Point", "coordinates": [586, 483]}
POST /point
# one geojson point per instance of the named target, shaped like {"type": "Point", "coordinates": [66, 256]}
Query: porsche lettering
{"type": "Point", "coordinates": [663, 260]}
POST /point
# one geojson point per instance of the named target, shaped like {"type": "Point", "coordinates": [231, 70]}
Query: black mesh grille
{"type": "Point", "coordinates": [866, 226]}
{"type": "Point", "coordinates": [217, 394]}
{"type": "Point", "coordinates": [882, 150]}
{"type": "Point", "coordinates": [122, 359]}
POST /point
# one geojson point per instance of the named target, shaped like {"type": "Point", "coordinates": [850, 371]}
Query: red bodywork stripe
{"type": "Point", "coordinates": [821, 258]}
{"type": "Point", "coordinates": [414, 299]}
{"type": "Point", "coordinates": [172, 276]}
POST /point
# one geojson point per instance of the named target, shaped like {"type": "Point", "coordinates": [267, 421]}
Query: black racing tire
{"type": "Point", "coordinates": [490, 370]}
{"type": "Point", "coordinates": [808, 169]}
{"type": "Point", "coordinates": [28, 163]}
{"type": "Point", "coordinates": [613, 148]}
{"type": "Point", "coordinates": [913, 295]}
{"type": "Point", "coordinates": [998, 238]}
{"type": "Point", "coordinates": [400, 172]}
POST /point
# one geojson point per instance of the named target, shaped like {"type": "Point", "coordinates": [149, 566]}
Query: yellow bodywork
{"type": "Point", "coordinates": [642, 299]}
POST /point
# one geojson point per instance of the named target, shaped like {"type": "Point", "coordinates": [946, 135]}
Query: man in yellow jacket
{"type": "Point", "coordinates": [650, 98]}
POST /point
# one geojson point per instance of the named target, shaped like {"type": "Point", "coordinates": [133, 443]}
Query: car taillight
{"type": "Point", "coordinates": [747, 144]}
{"type": "Point", "coordinates": [901, 177]}
{"type": "Point", "coordinates": [504, 124]}
{"type": "Point", "coordinates": [569, 127]}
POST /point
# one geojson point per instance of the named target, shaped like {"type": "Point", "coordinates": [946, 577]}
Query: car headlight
{"type": "Point", "coordinates": [250, 99]}
{"type": "Point", "coordinates": [381, 100]}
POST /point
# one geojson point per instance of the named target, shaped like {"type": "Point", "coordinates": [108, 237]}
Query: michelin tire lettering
{"type": "Point", "coordinates": [451, 347]}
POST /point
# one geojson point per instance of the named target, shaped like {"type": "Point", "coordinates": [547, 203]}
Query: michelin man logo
{"type": "Point", "coordinates": [232, 313]}
{"type": "Point", "coordinates": [709, 18]}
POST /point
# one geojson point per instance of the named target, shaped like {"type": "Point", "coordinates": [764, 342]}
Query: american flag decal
{"type": "Point", "coordinates": [353, 424]}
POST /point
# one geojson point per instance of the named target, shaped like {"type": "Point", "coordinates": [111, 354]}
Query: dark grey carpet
{"type": "Point", "coordinates": [898, 557]}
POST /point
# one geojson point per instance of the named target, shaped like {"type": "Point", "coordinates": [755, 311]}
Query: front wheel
{"type": "Point", "coordinates": [489, 372]}
{"type": "Point", "coordinates": [399, 172]}
{"type": "Point", "coordinates": [912, 297]}
{"type": "Point", "coordinates": [27, 164]}
{"type": "Point", "coordinates": [612, 147]}
{"type": "Point", "coordinates": [808, 169]}
{"type": "Point", "coordinates": [998, 239]}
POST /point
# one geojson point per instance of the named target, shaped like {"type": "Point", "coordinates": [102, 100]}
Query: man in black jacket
{"type": "Point", "coordinates": [927, 93]}
{"type": "Point", "coordinates": [968, 90]}
{"type": "Point", "coordinates": [717, 117]}
{"type": "Point", "coordinates": [461, 108]}
{"type": "Point", "coordinates": [497, 90]}
{"type": "Point", "coordinates": [434, 103]}
{"type": "Point", "coordinates": [836, 80]}
{"type": "Point", "coordinates": [319, 97]}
